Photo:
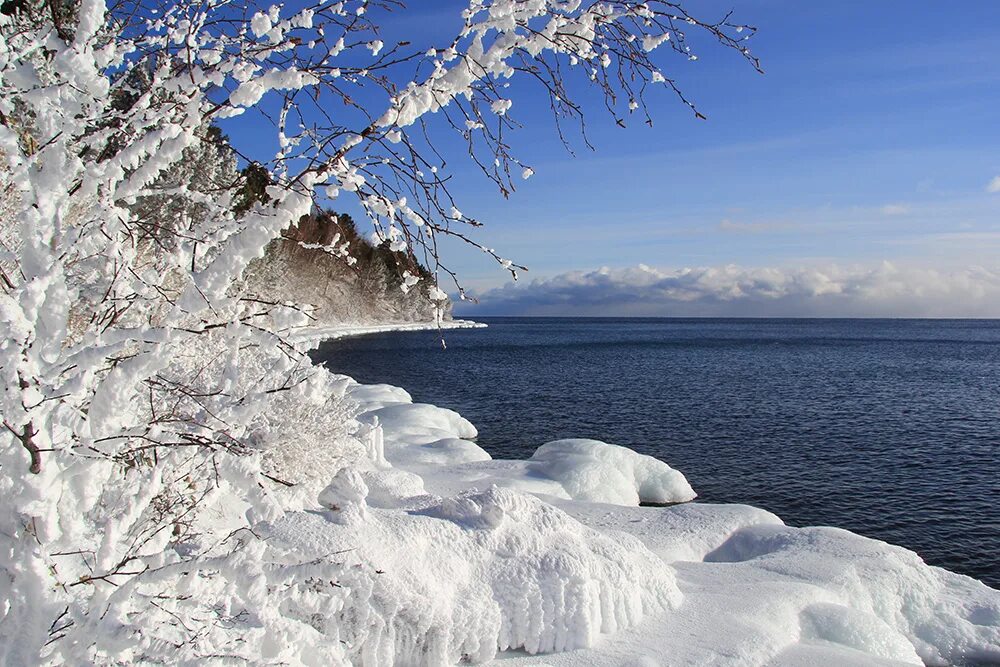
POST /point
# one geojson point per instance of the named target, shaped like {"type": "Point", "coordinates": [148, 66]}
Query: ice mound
{"type": "Point", "coordinates": [420, 434]}
{"type": "Point", "coordinates": [374, 396]}
{"type": "Point", "coordinates": [481, 572]}
{"type": "Point", "coordinates": [598, 472]}
{"type": "Point", "coordinates": [886, 601]}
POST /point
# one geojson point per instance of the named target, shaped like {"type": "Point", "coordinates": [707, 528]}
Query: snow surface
{"type": "Point", "coordinates": [461, 558]}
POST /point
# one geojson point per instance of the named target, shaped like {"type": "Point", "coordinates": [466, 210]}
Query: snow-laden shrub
{"type": "Point", "coordinates": [307, 435]}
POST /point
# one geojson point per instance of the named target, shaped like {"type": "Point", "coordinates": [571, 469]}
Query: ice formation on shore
{"type": "Point", "coordinates": [599, 472]}
{"type": "Point", "coordinates": [465, 577]}
{"type": "Point", "coordinates": [469, 559]}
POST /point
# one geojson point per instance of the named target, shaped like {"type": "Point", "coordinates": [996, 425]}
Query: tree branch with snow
{"type": "Point", "coordinates": [138, 375]}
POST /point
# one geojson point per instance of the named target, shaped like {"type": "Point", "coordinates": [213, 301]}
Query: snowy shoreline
{"type": "Point", "coordinates": [554, 555]}
{"type": "Point", "coordinates": [316, 335]}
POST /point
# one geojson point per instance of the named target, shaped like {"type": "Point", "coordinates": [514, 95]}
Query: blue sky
{"type": "Point", "coordinates": [872, 137]}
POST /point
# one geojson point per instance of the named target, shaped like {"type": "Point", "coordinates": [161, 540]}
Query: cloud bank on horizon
{"type": "Point", "coordinates": [885, 290]}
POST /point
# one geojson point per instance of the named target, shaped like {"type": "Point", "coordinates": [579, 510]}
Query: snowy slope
{"type": "Point", "coordinates": [478, 560]}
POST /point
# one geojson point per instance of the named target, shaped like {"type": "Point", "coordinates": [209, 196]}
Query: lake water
{"type": "Point", "coordinates": [889, 428]}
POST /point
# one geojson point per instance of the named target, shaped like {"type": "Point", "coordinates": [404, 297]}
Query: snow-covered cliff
{"type": "Point", "coordinates": [324, 262]}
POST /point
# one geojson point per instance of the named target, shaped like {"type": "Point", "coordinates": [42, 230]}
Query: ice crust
{"type": "Point", "coordinates": [458, 558]}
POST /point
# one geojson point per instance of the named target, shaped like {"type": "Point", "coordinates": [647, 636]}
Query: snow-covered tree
{"type": "Point", "coordinates": [140, 381]}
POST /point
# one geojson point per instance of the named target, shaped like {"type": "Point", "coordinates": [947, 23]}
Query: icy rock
{"type": "Point", "coordinates": [891, 604]}
{"type": "Point", "coordinates": [345, 496]}
{"type": "Point", "coordinates": [598, 472]}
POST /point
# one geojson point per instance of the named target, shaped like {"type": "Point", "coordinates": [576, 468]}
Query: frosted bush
{"type": "Point", "coordinates": [307, 434]}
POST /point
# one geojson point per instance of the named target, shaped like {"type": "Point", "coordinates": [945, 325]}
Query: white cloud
{"type": "Point", "coordinates": [885, 290]}
{"type": "Point", "coordinates": [895, 209]}
{"type": "Point", "coordinates": [994, 185]}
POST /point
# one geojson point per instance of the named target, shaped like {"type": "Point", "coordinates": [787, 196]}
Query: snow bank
{"type": "Point", "coordinates": [757, 592]}
{"type": "Point", "coordinates": [888, 602]}
{"type": "Point", "coordinates": [598, 472]}
{"type": "Point", "coordinates": [515, 475]}
{"type": "Point", "coordinates": [685, 532]}
{"type": "Point", "coordinates": [464, 577]}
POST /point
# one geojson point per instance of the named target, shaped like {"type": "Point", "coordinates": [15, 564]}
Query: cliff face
{"type": "Point", "coordinates": [308, 266]}
{"type": "Point", "coordinates": [322, 261]}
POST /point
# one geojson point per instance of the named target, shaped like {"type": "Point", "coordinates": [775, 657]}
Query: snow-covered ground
{"type": "Point", "coordinates": [553, 561]}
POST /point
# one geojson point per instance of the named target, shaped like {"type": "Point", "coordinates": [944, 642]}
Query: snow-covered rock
{"type": "Point", "coordinates": [392, 487]}
{"type": "Point", "coordinates": [599, 472]}
{"type": "Point", "coordinates": [375, 396]}
{"type": "Point", "coordinates": [421, 423]}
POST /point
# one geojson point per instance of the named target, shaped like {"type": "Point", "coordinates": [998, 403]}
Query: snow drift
{"type": "Point", "coordinates": [462, 578]}
{"type": "Point", "coordinates": [886, 601]}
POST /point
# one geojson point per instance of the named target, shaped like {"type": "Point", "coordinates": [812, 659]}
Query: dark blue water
{"type": "Point", "coordinates": [890, 428]}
